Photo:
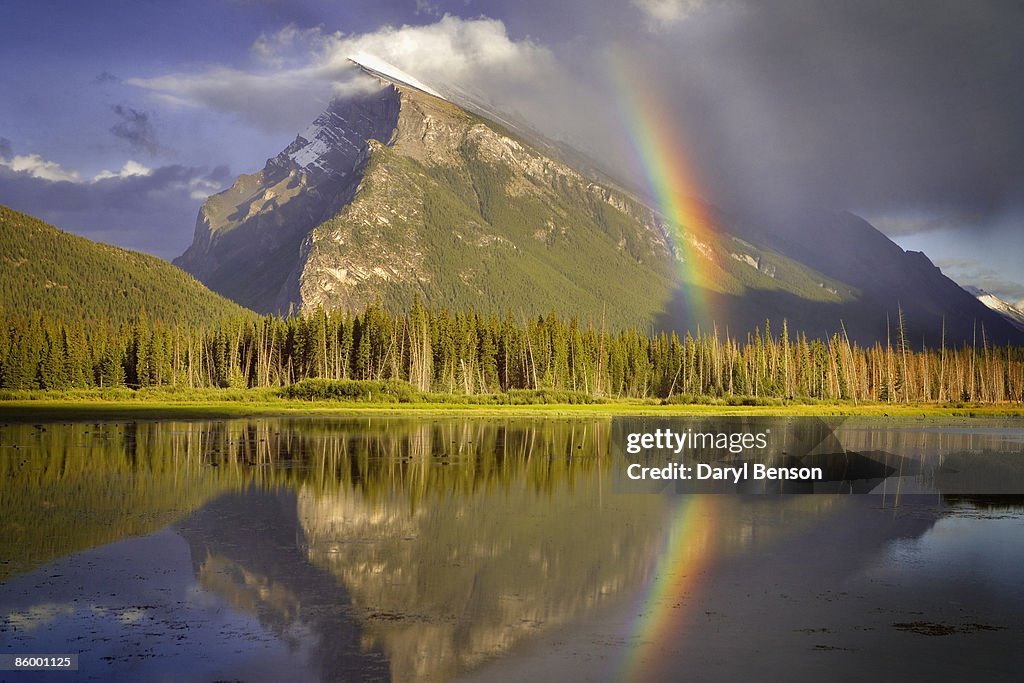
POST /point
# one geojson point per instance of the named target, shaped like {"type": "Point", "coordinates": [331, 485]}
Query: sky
{"type": "Point", "coordinates": [118, 119]}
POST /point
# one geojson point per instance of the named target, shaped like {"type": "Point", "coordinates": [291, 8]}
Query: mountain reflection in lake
{"type": "Point", "coordinates": [387, 548]}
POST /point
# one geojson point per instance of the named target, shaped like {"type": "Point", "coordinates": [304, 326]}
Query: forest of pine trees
{"type": "Point", "coordinates": [468, 353]}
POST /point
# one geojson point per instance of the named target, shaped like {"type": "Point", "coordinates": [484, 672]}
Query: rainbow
{"type": "Point", "coordinates": [657, 143]}
{"type": "Point", "coordinates": [676, 578]}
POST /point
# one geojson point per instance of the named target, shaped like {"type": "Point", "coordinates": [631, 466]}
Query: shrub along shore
{"type": "Point", "coordinates": [320, 397]}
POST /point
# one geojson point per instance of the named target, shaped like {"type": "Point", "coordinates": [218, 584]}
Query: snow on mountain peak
{"type": "Point", "coordinates": [334, 142]}
{"type": "Point", "coordinates": [390, 72]}
{"type": "Point", "coordinates": [1011, 313]}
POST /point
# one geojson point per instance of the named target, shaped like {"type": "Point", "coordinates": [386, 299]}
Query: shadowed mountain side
{"type": "Point", "coordinates": [844, 246]}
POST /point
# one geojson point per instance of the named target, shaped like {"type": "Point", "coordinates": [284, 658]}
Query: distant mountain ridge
{"type": "Point", "coordinates": [890, 281]}
{"type": "Point", "coordinates": [48, 271]}
{"type": "Point", "coordinates": [396, 193]}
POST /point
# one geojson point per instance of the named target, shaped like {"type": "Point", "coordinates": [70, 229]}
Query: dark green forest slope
{"type": "Point", "coordinates": [46, 270]}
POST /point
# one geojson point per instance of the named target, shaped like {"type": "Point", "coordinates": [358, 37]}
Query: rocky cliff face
{"type": "Point", "coordinates": [465, 214]}
{"type": "Point", "coordinates": [247, 239]}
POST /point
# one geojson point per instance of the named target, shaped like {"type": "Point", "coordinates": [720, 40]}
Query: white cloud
{"type": "Point", "coordinates": [289, 45]}
{"type": "Point", "coordinates": [662, 14]}
{"type": "Point", "coordinates": [37, 167]}
{"type": "Point", "coordinates": [428, 8]}
{"type": "Point", "coordinates": [130, 168]}
{"type": "Point", "coordinates": [296, 71]}
{"type": "Point", "coordinates": [267, 97]}
{"type": "Point", "coordinates": [450, 50]}
{"type": "Point", "coordinates": [201, 188]}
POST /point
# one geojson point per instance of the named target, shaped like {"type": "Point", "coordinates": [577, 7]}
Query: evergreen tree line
{"type": "Point", "coordinates": [470, 353]}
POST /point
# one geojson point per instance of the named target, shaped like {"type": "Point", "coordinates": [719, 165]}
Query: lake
{"type": "Point", "coordinates": [489, 548]}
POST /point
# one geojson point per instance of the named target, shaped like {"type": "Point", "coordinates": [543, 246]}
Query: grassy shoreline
{"type": "Point", "coordinates": [224, 404]}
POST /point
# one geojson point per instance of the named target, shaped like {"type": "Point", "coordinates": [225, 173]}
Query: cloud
{"type": "Point", "coordinates": [900, 223]}
{"type": "Point", "coordinates": [5, 148]}
{"type": "Point", "coordinates": [874, 106]}
{"type": "Point", "coordinates": [35, 166]}
{"type": "Point", "coordinates": [272, 99]}
{"type": "Point", "coordinates": [451, 50]}
{"type": "Point", "coordinates": [298, 71]}
{"type": "Point", "coordinates": [662, 14]}
{"type": "Point", "coordinates": [290, 45]}
{"type": "Point", "coordinates": [136, 207]}
{"type": "Point", "coordinates": [106, 77]}
{"type": "Point", "coordinates": [975, 273]}
{"type": "Point", "coordinates": [136, 128]}
{"type": "Point", "coordinates": [425, 7]}
{"type": "Point", "coordinates": [130, 168]}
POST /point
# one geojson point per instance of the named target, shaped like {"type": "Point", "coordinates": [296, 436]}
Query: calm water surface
{"type": "Point", "coordinates": [486, 549]}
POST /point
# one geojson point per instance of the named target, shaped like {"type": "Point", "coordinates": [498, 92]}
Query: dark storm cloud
{"type": "Point", "coordinates": [5, 148]}
{"type": "Point", "coordinates": [871, 106]}
{"type": "Point", "coordinates": [107, 77]}
{"type": "Point", "coordinates": [153, 213]}
{"type": "Point", "coordinates": [136, 128]}
{"type": "Point", "coordinates": [909, 110]}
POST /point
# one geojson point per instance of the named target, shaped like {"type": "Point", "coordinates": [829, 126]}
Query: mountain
{"type": "Point", "coordinates": [889, 280]}
{"type": "Point", "coordinates": [66, 276]}
{"type": "Point", "coordinates": [397, 192]}
{"type": "Point", "coordinates": [1013, 314]}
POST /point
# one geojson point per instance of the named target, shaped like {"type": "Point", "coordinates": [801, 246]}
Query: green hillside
{"type": "Point", "coordinates": [65, 276]}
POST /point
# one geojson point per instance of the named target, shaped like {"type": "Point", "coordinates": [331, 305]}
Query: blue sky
{"type": "Point", "coordinates": [118, 118]}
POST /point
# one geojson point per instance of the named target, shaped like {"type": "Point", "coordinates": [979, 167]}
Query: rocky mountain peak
{"type": "Point", "coordinates": [335, 143]}
{"type": "Point", "coordinates": [395, 192]}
